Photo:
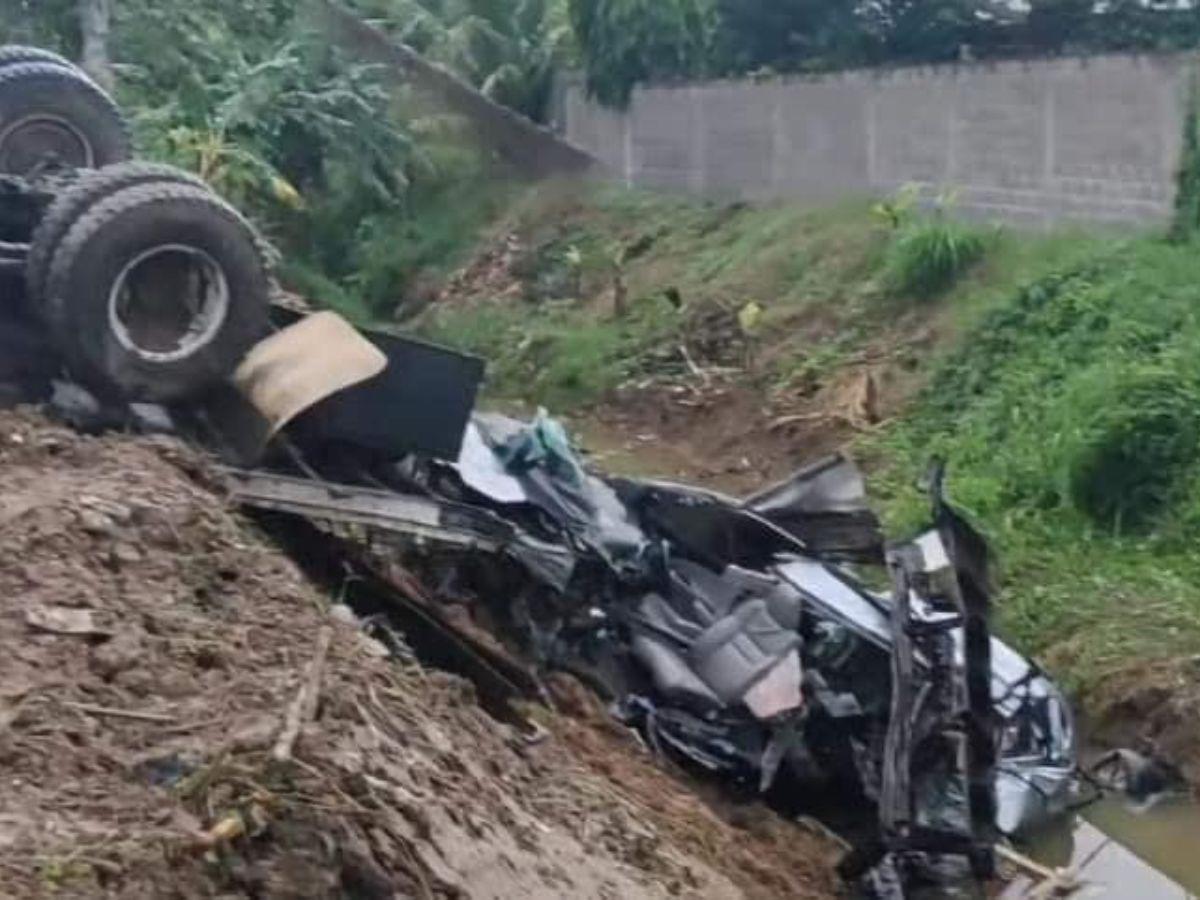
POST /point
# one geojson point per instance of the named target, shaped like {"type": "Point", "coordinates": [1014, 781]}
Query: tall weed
{"type": "Point", "coordinates": [926, 257]}
{"type": "Point", "coordinates": [1070, 417]}
{"type": "Point", "coordinates": [1138, 440]}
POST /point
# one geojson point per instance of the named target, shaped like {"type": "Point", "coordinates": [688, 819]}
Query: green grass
{"type": "Point", "coordinates": [689, 267]}
{"type": "Point", "coordinates": [433, 236]}
{"type": "Point", "coordinates": [1067, 411]}
{"type": "Point", "coordinates": [819, 276]}
{"type": "Point", "coordinates": [1061, 387]}
{"type": "Point", "coordinates": [927, 257]}
{"type": "Point", "coordinates": [561, 356]}
{"type": "Point", "coordinates": [369, 264]}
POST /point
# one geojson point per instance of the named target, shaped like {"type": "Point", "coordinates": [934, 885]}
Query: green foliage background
{"type": "Point", "coordinates": [625, 42]}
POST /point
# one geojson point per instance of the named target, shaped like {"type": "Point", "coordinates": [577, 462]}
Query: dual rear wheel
{"type": "Point", "coordinates": [152, 287]}
{"type": "Point", "coordinates": [52, 114]}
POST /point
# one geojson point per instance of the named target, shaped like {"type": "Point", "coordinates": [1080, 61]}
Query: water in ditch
{"type": "Point", "coordinates": [1123, 850]}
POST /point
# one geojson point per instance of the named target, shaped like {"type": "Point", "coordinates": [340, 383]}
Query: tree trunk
{"type": "Point", "coordinates": [94, 21]}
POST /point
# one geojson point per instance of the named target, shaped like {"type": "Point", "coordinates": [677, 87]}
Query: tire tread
{"type": "Point", "coordinates": [13, 75]}
{"type": "Point", "coordinates": [92, 186]}
{"type": "Point", "coordinates": [70, 335]}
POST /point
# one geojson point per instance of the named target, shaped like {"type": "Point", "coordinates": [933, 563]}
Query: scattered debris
{"type": "Point", "coordinates": [1140, 777]}
{"type": "Point", "coordinates": [120, 713]}
{"type": "Point", "coordinates": [304, 708]}
{"type": "Point", "coordinates": [62, 620]}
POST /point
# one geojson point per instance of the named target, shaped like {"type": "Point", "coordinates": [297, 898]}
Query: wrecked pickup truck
{"type": "Point", "coordinates": [738, 637]}
{"type": "Point", "coordinates": [777, 642]}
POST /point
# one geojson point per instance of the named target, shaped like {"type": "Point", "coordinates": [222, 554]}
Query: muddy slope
{"type": "Point", "coordinates": [151, 644]}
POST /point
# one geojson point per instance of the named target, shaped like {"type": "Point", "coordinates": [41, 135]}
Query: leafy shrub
{"type": "Point", "coordinates": [316, 287]}
{"type": "Point", "coordinates": [508, 49]}
{"type": "Point", "coordinates": [628, 42]}
{"type": "Point", "coordinates": [1066, 376]}
{"type": "Point", "coordinates": [898, 210]}
{"type": "Point", "coordinates": [1127, 464]}
{"type": "Point", "coordinates": [926, 257]}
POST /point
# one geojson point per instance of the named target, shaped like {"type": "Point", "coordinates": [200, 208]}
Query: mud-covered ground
{"type": "Point", "coordinates": [151, 646]}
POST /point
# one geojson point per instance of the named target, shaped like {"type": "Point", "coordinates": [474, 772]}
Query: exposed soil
{"type": "Point", "coordinates": [765, 855]}
{"type": "Point", "coordinates": [706, 411]}
{"type": "Point", "coordinates": [727, 436]}
{"type": "Point", "coordinates": [151, 645]}
{"type": "Point", "coordinates": [1154, 707]}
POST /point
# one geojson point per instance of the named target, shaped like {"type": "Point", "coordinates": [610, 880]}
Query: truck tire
{"type": "Point", "coordinates": [163, 290]}
{"type": "Point", "coordinates": [66, 209]}
{"type": "Point", "coordinates": [51, 113]}
{"type": "Point", "coordinates": [13, 54]}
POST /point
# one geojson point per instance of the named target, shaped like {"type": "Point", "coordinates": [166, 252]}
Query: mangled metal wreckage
{"type": "Point", "coordinates": [735, 635]}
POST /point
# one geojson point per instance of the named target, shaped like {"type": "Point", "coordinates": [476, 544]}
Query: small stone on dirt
{"type": "Point", "coordinates": [116, 656]}
{"type": "Point", "coordinates": [126, 554]}
{"type": "Point", "coordinates": [96, 523]}
{"type": "Point", "coordinates": [117, 512]}
{"type": "Point", "coordinates": [344, 614]}
{"type": "Point", "coordinates": [374, 648]}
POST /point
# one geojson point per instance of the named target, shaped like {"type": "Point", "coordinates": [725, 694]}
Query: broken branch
{"type": "Point", "coordinates": [304, 706]}
{"type": "Point", "coordinates": [785, 421]}
{"type": "Point", "coordinates": [1053, 881]}
{"type": "Point", "coordinates": [120, 713]}
{"type": "Point", "coordinates": [692, 367]}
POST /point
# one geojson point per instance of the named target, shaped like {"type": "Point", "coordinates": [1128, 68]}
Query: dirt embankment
{"type": "Point", "coordinates": [1154, 707]}
{"type": "Point", "coordinates": [151, 645]}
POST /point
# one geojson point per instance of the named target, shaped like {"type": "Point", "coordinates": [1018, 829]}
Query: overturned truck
{"type": "Point", "coordinates": [777, 642]}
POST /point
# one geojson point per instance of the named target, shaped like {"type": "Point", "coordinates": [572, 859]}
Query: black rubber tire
{"type": "Point", "coordinates": [92, 187]}
{"type": "Point", "coordinates": [48, 89]}
{"type": "Point", "coordinates": [118, 230]}
{"type": "Point", "coordinates": [14, 54]}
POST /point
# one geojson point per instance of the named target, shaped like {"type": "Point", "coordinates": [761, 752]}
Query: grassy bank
{"type": "Point", "coordinates": [1056, 373]}
{"type": "Point", "coordinates": [821, 279]}
{"type": "Point", "coordinates": [1069, 412]}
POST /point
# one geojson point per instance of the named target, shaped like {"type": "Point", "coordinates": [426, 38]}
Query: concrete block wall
{"type": "Point", "coordinates": [1035, 143]}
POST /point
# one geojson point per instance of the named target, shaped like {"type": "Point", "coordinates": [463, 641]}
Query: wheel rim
{"type": "Point", "coordinates": [168, 303]}
{"type": "Point", "coordinates": [36, 140]}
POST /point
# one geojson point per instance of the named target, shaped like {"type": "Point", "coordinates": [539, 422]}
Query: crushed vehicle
{"type": "Point", "coordinates": [777, 642]}
{"type": "Point", "coordinates": [736, 636]}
